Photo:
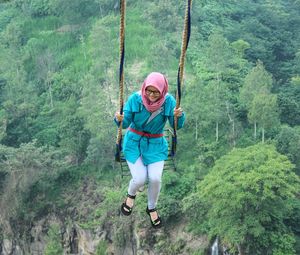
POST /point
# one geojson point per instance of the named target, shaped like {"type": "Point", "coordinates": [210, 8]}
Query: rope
{"type": "Point", "coordinates": [185, 41]}
{"type": "Point", "coordinates": [121, 77]}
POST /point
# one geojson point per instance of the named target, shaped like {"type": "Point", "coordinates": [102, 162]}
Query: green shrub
{"type": "Point", "coordinates": [54, 245]}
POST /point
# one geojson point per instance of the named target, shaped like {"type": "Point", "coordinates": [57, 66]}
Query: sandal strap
{"type": "Point", "coordinates": [157, 223]}
{"type": "Point", "coordinates": [130, 196]}
{"type": "Point", "coordinates": [151, 210]}
{"type": "Point", "coordinates": [158, 220]}
{"type": "Point", "coordinates": [127, 207]}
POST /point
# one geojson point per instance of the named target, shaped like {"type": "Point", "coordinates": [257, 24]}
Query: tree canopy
{"type": "Point", "coordinates": [236, 153]}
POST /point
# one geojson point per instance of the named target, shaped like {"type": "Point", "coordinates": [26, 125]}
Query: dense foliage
{"type": "Point", "coordinates": [246, 198]}
{"type": "Point", "coordinates": [59, 91]}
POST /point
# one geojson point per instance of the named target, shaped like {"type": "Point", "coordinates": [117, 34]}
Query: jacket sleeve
{"type": "Point", "coordinates": [128, 114]}
{"type": "Point", "coordinates": [181, 119]}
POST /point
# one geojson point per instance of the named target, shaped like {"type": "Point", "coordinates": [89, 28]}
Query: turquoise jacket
{"type": "Point", "coordinates": [136, 116]}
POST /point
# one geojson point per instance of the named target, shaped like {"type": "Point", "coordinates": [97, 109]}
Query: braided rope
{"type": "Point", "coordinates": [185, 41]}
{"type": "Point", "coordinates": [121, 77]}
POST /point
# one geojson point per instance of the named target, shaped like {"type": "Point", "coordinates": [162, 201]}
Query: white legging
{"type": "Point", "coordinates": [139, 173]}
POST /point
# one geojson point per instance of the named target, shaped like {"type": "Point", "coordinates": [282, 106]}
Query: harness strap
{"type": "Point", "coordinates": [142, 133]}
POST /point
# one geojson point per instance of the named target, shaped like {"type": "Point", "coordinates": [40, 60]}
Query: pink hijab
{"type": "Point", "coordinates": [158, 81]}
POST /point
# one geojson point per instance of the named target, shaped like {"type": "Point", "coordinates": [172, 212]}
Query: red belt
{"type": "Point", "coordinates": [145, 133]}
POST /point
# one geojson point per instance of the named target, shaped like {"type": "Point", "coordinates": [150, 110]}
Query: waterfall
{"type": "Point", "coordinates": [215, 248]}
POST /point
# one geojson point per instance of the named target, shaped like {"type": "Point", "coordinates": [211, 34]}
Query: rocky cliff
{"type": "Point", "coordinates": [90, 223]}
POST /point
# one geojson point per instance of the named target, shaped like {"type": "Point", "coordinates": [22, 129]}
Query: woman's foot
{"type": "Point", "coordinates": [154, 218]}
{"type": "Point", "coordinates": [126, 207]}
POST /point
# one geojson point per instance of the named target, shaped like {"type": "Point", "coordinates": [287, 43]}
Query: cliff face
{"type": "Point", "coordinates": [91, 223]}
{"type": "Point", "coordinates": [73, 238]}
{"type": "Point", "coordinates": [77, 240]}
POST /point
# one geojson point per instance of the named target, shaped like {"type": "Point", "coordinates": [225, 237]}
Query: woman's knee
{"type": "Point", "coordinates": [155, 180]}
{"type": "Point", "coordinates": [138, 181]}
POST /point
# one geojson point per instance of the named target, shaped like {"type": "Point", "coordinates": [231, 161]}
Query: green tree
{"type": "Point", "coordinates": [217, 63]}
{"type": "Point", "coordinates": [288, 102]}
{"type": "Point", "coordinates": [245, 200]}
{"type": "Point", "coordinates": [13, 36]}
{"type": "Point", "coordinates": [23, 167]}
{"type": "Point", "coordinates": [20, 106]}
{"type": "Point", "coordinates": [288, 143]}
{"type": "Point", "coordinates": [54, 243]}
{"type": "Point", "coordinates": [264, 111]}
{"type": "Point", "coordinates": [163, 15]}
{"type": "Point", "coordinates": [240, 46]}
{"type": "Point", "coordinates": [221, 68]}
{"type": "Point", "coordinates": [102, 248]}
{"type": "Point", "coordinates": [74, 138]}
{"type": "Point", "coordinates": [97, 109]}
{"type": "Point", "coordinates": [3, 124]}
{"type": "Point", "coordinates": [211, 97]}
{"type": "Point", "coordinates": [257, 81]}
{"type": "Point", "coordinates": [35, 8]}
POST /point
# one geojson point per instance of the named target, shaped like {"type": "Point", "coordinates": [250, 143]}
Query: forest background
{"type": "Point", "coordinates": [238, 160]}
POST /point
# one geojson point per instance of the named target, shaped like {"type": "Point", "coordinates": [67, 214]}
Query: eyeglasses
{"type": "Point", "coordinates": [155, 93]}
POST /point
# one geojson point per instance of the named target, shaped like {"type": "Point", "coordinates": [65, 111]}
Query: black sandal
{"type": "Point", "coordinates": [124, 206]}
{"type": "Point", "coordinates": [155, 223]}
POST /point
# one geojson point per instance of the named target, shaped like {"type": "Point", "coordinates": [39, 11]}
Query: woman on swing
{"type": "Point", "coordinates": [145, 148]}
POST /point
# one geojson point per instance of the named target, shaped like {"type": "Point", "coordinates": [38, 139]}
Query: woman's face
{"type": "Point", "coordinates": [152, 93]}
